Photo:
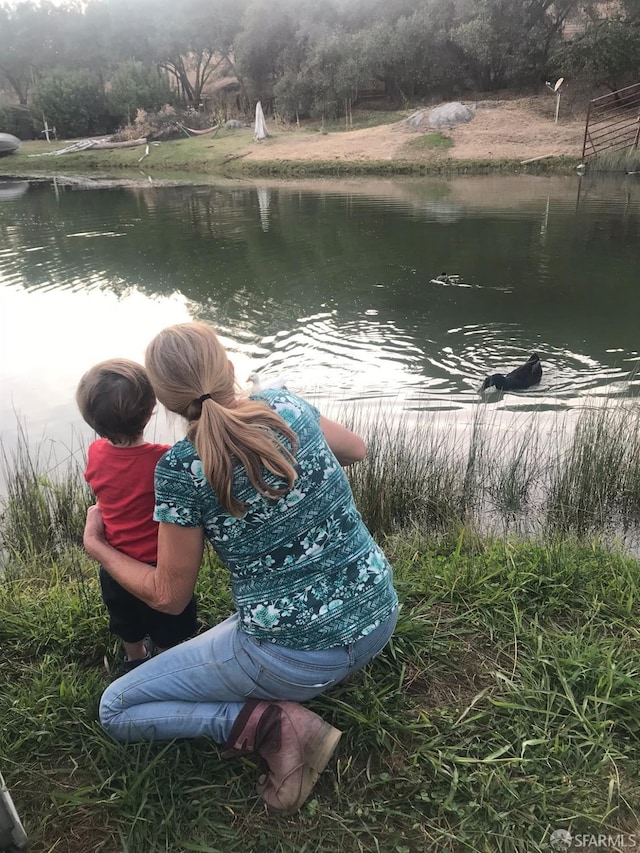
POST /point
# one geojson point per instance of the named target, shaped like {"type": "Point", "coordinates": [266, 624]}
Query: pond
{"type": "Point", "coordinates": [332, 283]}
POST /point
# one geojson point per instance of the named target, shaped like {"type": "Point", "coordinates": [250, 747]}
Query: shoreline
{"type": "Point", "coordinates": [516, 136]}
{"type": "Point", "coordinates": [95, 170]}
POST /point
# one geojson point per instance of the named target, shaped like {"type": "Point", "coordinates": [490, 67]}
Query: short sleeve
{"type": "Point", "coordinates": [176, 495]}
{"type": "Point", "coordinates": [310, 409]}
{"type": "Point", "coordinates": [289, 406]}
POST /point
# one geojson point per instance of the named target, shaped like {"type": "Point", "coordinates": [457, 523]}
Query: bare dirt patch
{"type": "Point", "coordinates": [501, 130]}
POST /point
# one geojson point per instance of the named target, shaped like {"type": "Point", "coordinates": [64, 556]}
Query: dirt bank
{"type": "Point", "coordinates": [501, 130]}
{"type": "Point", "coordinates": [502, 135]}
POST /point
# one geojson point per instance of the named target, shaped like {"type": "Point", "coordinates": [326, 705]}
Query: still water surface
{"type": "Point", "coordinates": [329, 283]}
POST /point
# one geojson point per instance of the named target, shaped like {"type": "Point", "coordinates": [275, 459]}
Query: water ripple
{"type": "Point", "coordinates": [341, 293]}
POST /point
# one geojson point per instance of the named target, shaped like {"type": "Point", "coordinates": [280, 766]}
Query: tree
{"type": "Point", "coordinates": [608, 53]}
{"type": "Point", "coordinates": [411, 54]}
{"type": "Point", "coordinates": [135, 86]}
{"type": "Point", "coordinates": [189, 40]}
{"type": "Point", "coordinates": [507, 42]}
{"type": "Point", "coordinates": [194, 39]}
{"type": "Point", "coordinates": [264, 47]}
{"type": "Point", "coordinates": [30, 40]}
{"type": "Point", "coordinates": [72, 101]}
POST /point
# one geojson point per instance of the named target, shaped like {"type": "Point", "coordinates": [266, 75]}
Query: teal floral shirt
{"type": "Point", "coordinates": [305, 571]}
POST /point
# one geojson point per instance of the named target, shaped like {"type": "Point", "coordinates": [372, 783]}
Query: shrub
{"type": "Point", "coordinates": [73, 102]}
{"type": "Point", "coordinates": [134, 87]}
{"type": "Point", "coordinates": [293, 96]}
{"type": "Point", "coordinates": [164, 124]}
{"type": "Point", "coordinates": [16, 119]}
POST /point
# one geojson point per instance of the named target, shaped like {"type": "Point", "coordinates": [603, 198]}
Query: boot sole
{"type": "Point", "coordinates": [320, 751]}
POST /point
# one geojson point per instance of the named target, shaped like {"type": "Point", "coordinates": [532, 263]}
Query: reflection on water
{"type": "Point", "coordinates": [10, 190]}
{"type": "Point", "coordinates": [334, 284]}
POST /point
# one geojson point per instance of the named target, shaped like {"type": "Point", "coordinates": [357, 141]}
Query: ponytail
{"type": "Point", "coordinates": [192, 377]}
{"type": "Point", "coordinates": [253, 435]}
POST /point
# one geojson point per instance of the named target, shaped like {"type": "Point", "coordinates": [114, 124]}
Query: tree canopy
{"type": "Point", "coordinates": [302, 57]}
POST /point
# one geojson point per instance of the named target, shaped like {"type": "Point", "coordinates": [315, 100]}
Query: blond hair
{"type": "Point", "coordinates": [192, 376]}
{"type": "Point", "coordinates": [116, 399]}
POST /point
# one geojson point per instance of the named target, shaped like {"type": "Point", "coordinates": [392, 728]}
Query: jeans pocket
{"type": "Point", "coordinates": [290, 686]}
{"type": "Point", "coordinates": [291, 674]}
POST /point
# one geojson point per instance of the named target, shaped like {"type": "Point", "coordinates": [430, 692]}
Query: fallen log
{"type": "Point", "coordinates": [82, 145]}
{"type": "Point", "coordinates": [539, 157]}
{"type": "Point", "coordinates": [130, 143]}
{"type": "Point", "coordinates": [90, 144]}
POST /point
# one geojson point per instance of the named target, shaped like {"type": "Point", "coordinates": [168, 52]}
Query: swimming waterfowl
{"type": "Point", "coordinates": [522, 377]}
{"type": "Point", "coordinates": [258, 385]}
{"type": "Point", "coordinates": [448, 278]}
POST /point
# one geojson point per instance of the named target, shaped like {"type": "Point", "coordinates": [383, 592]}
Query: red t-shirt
{"type": "Point", "coordinates": [122, 480]}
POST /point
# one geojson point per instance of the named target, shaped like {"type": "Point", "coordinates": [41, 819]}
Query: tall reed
{"type": "Point", "coordinates": [544, 479]}
{"type": "Point", "coordinates": [596, 480]}
{"type": "Point", "coordinates": [627, 161]}
{"type": "Point", "coordinates": [428, 473]}
{"type": "Point", "coordinates": [411, 475]}
{"type": "Point", "coordinates": [45, 505]}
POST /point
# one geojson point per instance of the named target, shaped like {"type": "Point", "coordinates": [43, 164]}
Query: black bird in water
{"type": "Point", "coordinates": [447, 278]}
{"type": "Point", "coordinates": [522, 377]}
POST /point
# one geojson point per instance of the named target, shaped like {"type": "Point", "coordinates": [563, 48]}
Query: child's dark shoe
{"type": "Point", "coordinates": [128, 665]}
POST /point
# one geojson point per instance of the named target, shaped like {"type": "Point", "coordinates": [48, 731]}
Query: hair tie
{"type": "Point", "coordinates": [204, 397]}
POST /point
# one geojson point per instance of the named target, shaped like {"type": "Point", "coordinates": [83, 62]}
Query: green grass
{"type": "Point", "coordinates": [627, 160]}
{"type": "Point", "coordinates": [360, 120]}
{"type": "Point", "coordinates": [198, 155]}
{"type": "Point", "coordinates": [598, 475]}
{"type": "Point", "coordinates": [506, 706]}
{"type": "Point", "coordinates": [433, 141]}
{"type": "Point", "coordinates": [44, 502]}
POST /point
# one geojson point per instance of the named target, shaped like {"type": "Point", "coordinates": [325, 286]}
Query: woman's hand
{"type": "Point", "coordinates": [93, 529]}
{"type": "Point", "coordinates": [167, 587]}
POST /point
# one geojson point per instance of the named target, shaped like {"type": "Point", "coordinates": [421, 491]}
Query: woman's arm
{"type": "Point", "coordinates": [347, 446]}
{"type": "Point", "coordinates": [167, 587]}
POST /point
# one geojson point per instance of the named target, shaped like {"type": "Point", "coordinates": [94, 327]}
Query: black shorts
{"type": "Point", "coordinates": [132, 620]}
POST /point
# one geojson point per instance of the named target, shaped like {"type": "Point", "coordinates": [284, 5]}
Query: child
{"type": "Point", "coordinates": [116, 399]}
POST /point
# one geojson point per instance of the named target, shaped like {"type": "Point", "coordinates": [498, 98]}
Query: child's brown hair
{"type": "Point", "coordinates": [116, 399]}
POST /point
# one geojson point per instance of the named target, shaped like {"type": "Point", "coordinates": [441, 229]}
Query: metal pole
{"type": "Point", "coordinates": [586, 130]}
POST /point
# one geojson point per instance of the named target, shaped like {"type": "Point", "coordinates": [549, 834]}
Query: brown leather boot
{"type": "Point", "coordinates": [295, 744]}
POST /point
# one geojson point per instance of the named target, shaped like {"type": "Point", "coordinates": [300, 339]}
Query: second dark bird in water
{"type": "Point", "coordinates": [522, 377]}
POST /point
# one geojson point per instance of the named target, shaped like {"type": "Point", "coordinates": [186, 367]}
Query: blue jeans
{"type": "Point", "coordinates": [199, 687]}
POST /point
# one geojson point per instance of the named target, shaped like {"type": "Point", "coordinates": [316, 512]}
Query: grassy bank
{"type": "Point", "coordinates": [526, 475]}
{"type": "Point", "coordinates": [201, 155]}
{"type": "Point", "coordinates": [223, 155]}
{"type": "Point", "coordinates": [328, 168]}
{"type": "Point", "coordinates": [506, 706]}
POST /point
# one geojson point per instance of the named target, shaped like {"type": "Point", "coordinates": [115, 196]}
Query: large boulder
{"type": "Point", "coordinates": [451, 114]}
{"type": "Point", "coordinates": [9, 144]}
{"type": "Point", "coordinates": [418, 120]}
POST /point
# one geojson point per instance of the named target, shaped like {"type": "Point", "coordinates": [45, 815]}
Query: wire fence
{"type": "Point", "coordinates": [613, 122]}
